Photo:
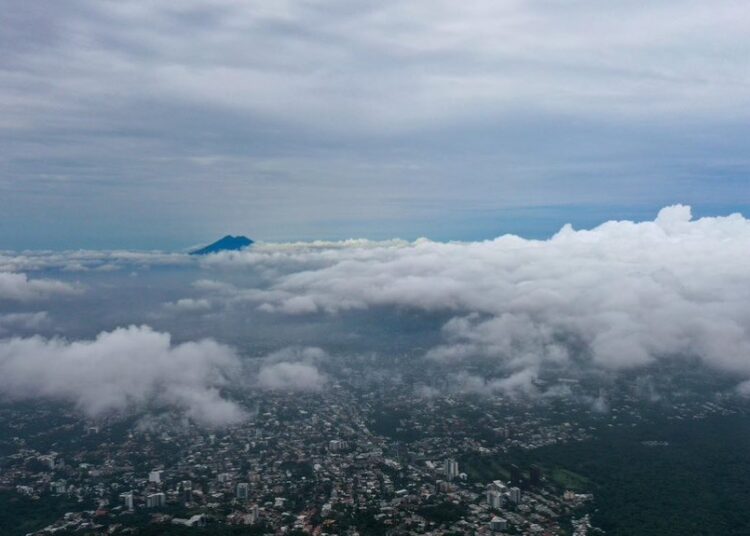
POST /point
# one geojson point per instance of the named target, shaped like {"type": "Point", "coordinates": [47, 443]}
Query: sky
{"type": "Point", "coordinates": [160, 125]}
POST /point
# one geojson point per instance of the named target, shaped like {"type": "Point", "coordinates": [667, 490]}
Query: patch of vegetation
{"type": "Point", "coordinates": [569, 480]}
{"type": "Point", "coordinates": [698, 484]}
{"type": "Point", "coordinates": [484, 468]}
{"type": "Point", "coordinates": [445, 513]}
{"type": "Point", "coordinates": [20, 515]}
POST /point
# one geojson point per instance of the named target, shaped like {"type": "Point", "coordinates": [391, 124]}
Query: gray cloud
{"type": "Point", "coordinates": [486, 57]}
{"type": "Point", "coordinates": [132, 368]}
{"type": "Point", "coordinates": [340, 118]}
{"type": "Point", "coordinates": [88, 260]}
{"type": "Point", "coordinates": [188, 305]}
{"type": "Point", "coordinates": [13, 322]}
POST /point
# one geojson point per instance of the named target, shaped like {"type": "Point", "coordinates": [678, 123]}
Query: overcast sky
{"type": "Point", "coordinates": [144, 124]}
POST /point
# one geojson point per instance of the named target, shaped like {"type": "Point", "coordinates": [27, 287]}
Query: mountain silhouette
{"type": "Point", "coordinates": [228, 243]}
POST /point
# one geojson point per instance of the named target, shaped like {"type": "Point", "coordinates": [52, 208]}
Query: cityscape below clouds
{"type": "Point", "coordinates": [395, 268]}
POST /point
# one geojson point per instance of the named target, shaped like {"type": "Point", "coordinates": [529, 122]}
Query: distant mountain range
{"type": "Point", "coordinates": [228, 243]}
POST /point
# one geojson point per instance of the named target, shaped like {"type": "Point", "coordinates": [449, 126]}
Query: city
{"type": "Point", "coordinates": [349, 460]}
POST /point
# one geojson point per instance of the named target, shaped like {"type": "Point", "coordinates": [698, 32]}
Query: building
{"type": "Point", "coordinates": [186, 491]}
{"type": "Point", "coordinates": [499, 486]}
{"type": "Point", "coordinates": [155, 476]}
{"type": "Point", "coordinates": [494, 499]}
{"type": "Point", "coordinates": [156, 500]}
{"type": "Point", "coordinates": [127, 500]}
{"type": "Point", "coordinates": [336, 445]}
{"type": "Point", "coordinates": [450, 468]}
{"type": "Point", "coordinates": [254, 514]}
{"type": "Point", "coordinates": [498, 523]}
{"type": "Point", "coordinates": [243, 491]}
{"type": "Point", "coordinates": [198, 520]}
{"type": "Point", "coordinates": [514, 495]}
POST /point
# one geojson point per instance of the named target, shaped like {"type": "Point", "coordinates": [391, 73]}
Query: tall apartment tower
{"type": "Point", "coordinates": [450, 468]}
{"type": "Point", "coordinates": [156, 500]}
{"type": "Point", "coordinates": [243, 491]}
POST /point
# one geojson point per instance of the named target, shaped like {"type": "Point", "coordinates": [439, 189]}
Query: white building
{"type": "Point", "coordinates": [494, 499]}
{"type": "Point", "coordinates": [450, 468]}
{"type": "Point", "coordinates": [155, 476]}
{"type": "Point", "coordinates": [514, 495]}
{"type": "Point", "coordinates": [127, 500]}
{"type": "Point", "coordinates": [156, 500]}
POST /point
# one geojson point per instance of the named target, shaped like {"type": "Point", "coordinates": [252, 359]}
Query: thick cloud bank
{"type": "Point", "coordinates": [128, 368]}
{"type": "Point", "coordinates": [618, 296]}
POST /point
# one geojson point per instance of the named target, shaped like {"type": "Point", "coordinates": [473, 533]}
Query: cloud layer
{"type": "Point", "coordinates": [488, 317]}
{"type": "Point", "coordinates": [132, 368]}
{"type": "Point", "coordinates": [618, 296]}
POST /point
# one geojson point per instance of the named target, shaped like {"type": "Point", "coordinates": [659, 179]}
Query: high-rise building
{"type": "Point", "coordinates": [186, 491]}
{"type": "Point", "coordinates": [155, 476]}
{"type": "Point", "coordinates": [514, 494]}
{"type": "Point", "coordinates": [127, 499]}
{"type": "Point", "coordinates": [499, 485]}
{"type": "Point", "coordinates": [494, 499]}
{"type": "Point", "coordinates": [450, 468]}
{"type": "Point", "coordinates": [156, 500]}
{"type": "Point", "coordinates": [254, 513]}
{"type": "Point", "coordinates": [243, 491]}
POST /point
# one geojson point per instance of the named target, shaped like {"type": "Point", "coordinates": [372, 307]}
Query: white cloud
{"type": "Point", "coordinates": [285, 376]}
{"type": "Point", "coordinates": [517, 384]}
{"type": "Point", "coordinates": [292, 369]}
{"type": "Point", "coordinates": [18, 287]}
{"type": "Point", "coordinates": [621, 295]}
{"type": "Point", "coordinates": [128, 368]}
